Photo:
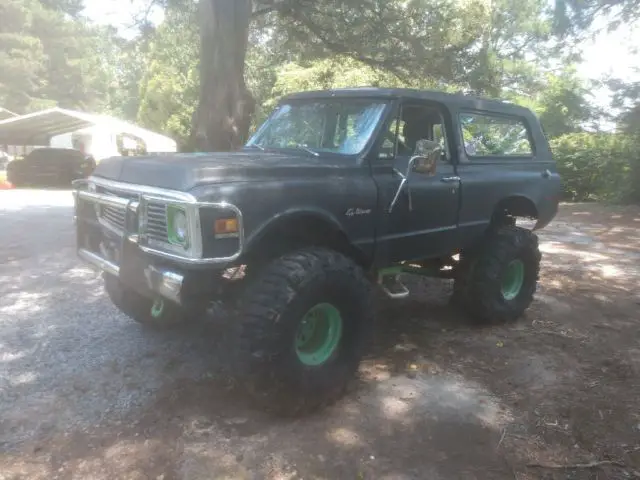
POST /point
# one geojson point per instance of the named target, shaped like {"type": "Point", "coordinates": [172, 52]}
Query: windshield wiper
{"type": "Point", "coordinates": [307, 149]}
{"type": "Point", "coordinates": [301, 147]}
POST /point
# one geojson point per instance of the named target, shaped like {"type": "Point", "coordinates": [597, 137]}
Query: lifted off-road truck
{"type": "Point", "coordinates": [336, 192]}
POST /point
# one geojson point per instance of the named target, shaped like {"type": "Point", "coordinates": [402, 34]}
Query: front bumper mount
{"type": "Point", "coordinates": [161, 281]}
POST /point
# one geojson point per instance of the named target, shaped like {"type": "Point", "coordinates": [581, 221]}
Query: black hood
{"type": "Point", "coordinates": [186, 171]}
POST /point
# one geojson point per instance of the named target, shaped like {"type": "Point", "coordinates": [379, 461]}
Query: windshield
{"type": "Point", "coordinates": [335, 126]}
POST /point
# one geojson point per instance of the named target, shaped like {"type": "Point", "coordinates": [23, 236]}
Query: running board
{"type": "Point", "coordinates": [401, 291]}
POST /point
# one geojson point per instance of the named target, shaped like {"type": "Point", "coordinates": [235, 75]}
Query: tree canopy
{"type": "Point", "coordinates": [51, 56]}
{"type": "Point", "coordinates": [213, 68]}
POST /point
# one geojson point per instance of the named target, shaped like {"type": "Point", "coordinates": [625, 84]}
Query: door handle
{"type": "Point", "coordinates": [450, 179]}
{"type": "Point", "coordinates": [546, 174]}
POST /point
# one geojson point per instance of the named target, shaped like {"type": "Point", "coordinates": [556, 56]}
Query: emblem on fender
{"type": "Point", "coordinates": [352, 212]}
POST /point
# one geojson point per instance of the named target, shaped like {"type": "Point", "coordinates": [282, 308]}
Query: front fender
{"type": "Point", "coordinates": [288, 219]}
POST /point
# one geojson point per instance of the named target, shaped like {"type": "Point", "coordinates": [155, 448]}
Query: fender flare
{"type": "Point", "coordinates": [290, 215]}
{"type": "Point", "coordinates": [523, 202]}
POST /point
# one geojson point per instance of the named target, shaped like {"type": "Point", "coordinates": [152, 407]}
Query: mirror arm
{"type": "Point", "coordinates": [404, 183]}
{"type": "Point", "coordinates": [398, 192]}
{"type": "Point", "coordinates": [399, 173]}
{"type": "Point", "coordinates": [429, 150]}
{"type": "Point", "coordinates": [412, 162]}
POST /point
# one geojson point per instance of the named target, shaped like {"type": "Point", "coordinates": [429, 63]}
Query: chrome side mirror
{"type": "Point", "coordinates": [425, 147]}
{"type": "Point", "coordinates": [425, 157]}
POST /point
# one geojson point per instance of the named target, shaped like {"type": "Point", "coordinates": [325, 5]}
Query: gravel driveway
{"type": "Point", "coordinates": [87, 393]}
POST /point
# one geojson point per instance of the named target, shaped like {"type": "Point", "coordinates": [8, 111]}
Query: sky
{"type": "Point", "coordinates": [608, 54]}
{"type": "Point", "coordinates": [611, 54]}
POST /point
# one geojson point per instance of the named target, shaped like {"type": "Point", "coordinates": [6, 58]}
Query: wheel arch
{"type": "Point", "coordinates": [514, 206]}
{"type": "Point", "coordinates": [300, 228]}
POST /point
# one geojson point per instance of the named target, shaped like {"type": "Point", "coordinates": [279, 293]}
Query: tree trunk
{"type": "Point", "coordinates": [222, 118]}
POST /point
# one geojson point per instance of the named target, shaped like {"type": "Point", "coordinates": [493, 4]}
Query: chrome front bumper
{"type": "Point", "coordinates": [160, 281]}
{"type": "Point", "coordinates": [163, 282]}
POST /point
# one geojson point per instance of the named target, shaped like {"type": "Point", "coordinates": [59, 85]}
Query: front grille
{"type": "Point", "coordinates": [156, 228]}
{"type": "Point", "coordinates": [109, 214]}
{"type": "Point", "coordinates": [113, 216]}
{"type": "Point", "coordinates": [148, 226]}
{"type": "Point", "coordinates": [156, 217]}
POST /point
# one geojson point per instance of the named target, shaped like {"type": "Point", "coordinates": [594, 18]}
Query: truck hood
{"type": "Point", "coordinates": [184, 172]}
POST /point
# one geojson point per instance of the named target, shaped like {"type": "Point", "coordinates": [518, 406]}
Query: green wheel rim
{"type": "Point", "coordinates": [318, 334]}
{"type": "Point", "coordinates": [157, 308]}
{"type": "Point", "coordinates": [513, 279]}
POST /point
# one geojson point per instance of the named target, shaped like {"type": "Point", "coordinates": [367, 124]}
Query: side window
{"type": "Point", "coordinates": [414, 123]}
{"type": "Point", "coordinates": [440, 136]}
{"type": "Point", "coordinates": [492, 135]}
{"type": "Point", "coordinates": [388, 146]}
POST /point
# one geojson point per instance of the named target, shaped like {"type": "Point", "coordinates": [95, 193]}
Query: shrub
{"type": "Point", "coordinates": [598, 166]}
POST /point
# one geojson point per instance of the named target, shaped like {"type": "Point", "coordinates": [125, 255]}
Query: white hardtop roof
{"type": "Point", "coordinates": [38, 128]}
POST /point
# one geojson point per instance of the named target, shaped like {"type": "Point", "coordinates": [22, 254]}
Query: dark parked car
{"type": "Point", "coordinates": [50, 167]}
{"type": "Point", "coordinates": [335, 192]}
{"type": "Point", "coordinates": [4, 160]}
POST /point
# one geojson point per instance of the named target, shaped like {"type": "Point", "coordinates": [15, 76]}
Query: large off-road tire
{"type": "Point", "coordinates": [303, 323]}
{"type": "Point", "coordinates": [497, 281]}
{"type": "Point", "coordinates": [152, 313]}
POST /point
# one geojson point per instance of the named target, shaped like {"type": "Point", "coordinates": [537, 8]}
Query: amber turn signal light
{"type": "Point", "coordinates": [226, 226]}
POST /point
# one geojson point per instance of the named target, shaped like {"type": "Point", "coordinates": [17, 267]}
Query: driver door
{"type": "Point", "coordinates": [422, 222]}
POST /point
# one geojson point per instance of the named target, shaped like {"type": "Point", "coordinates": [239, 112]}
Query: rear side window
{"type": "Point", "coordinates": [488, 135]}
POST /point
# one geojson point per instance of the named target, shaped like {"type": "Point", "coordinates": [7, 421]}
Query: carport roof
{"type": "Point", "coordinates": [38, 128]}
{"type": "Point", "coordinates": [4, 113]}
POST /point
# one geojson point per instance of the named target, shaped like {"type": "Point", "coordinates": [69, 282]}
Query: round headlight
{"type": "Point", "coordinates": [180, 227]}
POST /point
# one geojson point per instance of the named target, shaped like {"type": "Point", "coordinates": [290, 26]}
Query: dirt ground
{"type": "Point", "coordinates": [554, 396]}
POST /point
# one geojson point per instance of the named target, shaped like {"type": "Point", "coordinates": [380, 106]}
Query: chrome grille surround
{"type": "Point", "coordinates": [109, 216]}
{"type": "Point", "coordinates": [156, 227]}
{"type": "Point", "coordinates": [120, 205]}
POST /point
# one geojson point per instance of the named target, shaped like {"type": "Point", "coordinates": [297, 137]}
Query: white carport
{"type": "Point", "coordinates": [40, 128]}
{"type": "Point", "coordinates": [4, 114]}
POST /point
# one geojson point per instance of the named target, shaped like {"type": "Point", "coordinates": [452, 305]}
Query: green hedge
{"type": "Point", "coordinates": [598, 166]}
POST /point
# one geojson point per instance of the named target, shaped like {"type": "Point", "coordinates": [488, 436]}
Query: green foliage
{"type": "Point", "coordinates": [563, 104]}
{"type": "Point", "coordinates": [574, 17]}
{"type": "Point", "coordinates": [561, 101]}
{"type": "Point", "coordinates": [601, 166]}
{"type": "Point", "coordinates": [169, 88]}
{"type": "Point", "coordinates": [629, 120]}
{"type": "Point", "coordinates": [48, 57]}
{"type": "Point", "coordinates": [627, 100]}
{"type": "Point", "coordinates": [475, 44]}
{"type": "Point", "coordinates": [21, 56]}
